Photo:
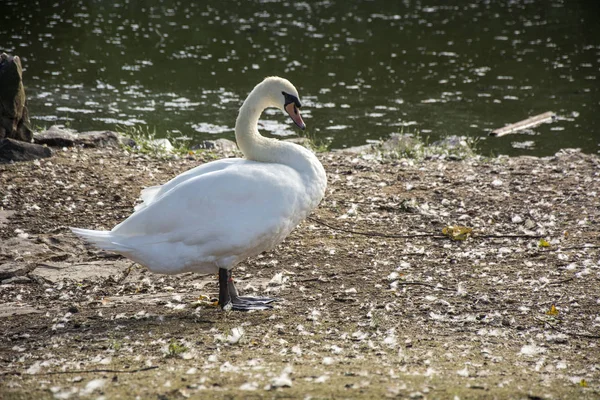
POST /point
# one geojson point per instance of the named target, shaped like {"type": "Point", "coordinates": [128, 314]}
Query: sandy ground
{"type": "Point", "coordinates": [401, 312]}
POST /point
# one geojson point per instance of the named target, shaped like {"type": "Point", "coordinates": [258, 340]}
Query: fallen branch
{"type": "Point", "coordinates": [584, 335]}
{"type": "Point", "coordinates": [125, 274]}
{"type": "Point", "coordinates": [369, 233]}
{"type": "Point", "coordinates": [85, 371]}
{"type": "Point", "coordinates": [583, 246]}
{"type": "Point", "coordinates": [416, 235]}
{"type": "Point", "coordinates": [412, 283]}
{"type": "Point", "coordinates": [500, 236]}
{"type": "Point", "coordinates": [561, 281]}
{"type": "Point", "coordinates": [309, 280]}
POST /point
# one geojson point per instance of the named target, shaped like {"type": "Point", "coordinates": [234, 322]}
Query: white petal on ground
{"type": "Point", "coordinates": [93, 385]}
{"type": "Point", "coordinates": [250, 386]}
{"type": "Point", "coordinates": [283, 380]}
{"type": "Point", "coordinates": [532, 350]}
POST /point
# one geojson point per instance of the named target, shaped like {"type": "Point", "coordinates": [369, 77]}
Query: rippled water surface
{"type": "Point", "coordinates": [363, 69]}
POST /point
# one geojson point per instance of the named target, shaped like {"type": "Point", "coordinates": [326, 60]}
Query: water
{"type": "Point", "coordinates": [363, 69]}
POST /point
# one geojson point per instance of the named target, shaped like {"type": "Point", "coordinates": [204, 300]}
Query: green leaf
{"type": "Point", "coordinates": [553, 310]}
{"type": "Point", "coordinates": [457, 232]}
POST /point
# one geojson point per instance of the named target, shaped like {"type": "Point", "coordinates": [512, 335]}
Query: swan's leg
{"type": "Point", "coordinates": [229, 298]}
{"type": "Point", "coordinates": [224, 297]}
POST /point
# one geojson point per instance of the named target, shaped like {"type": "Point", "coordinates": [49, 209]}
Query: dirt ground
{"type": "Point", "coordinates": [513, 311]}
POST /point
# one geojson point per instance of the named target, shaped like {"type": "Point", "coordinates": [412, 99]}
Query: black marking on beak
{"type": "Point", "coordinates": [290, 98]}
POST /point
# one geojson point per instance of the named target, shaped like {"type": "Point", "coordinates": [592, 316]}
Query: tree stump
{"type": "Point", "coordinates": [14, 117]}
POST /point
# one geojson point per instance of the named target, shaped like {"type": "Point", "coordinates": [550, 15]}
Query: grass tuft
{"type": "Point", "coordinates": [175, 349]}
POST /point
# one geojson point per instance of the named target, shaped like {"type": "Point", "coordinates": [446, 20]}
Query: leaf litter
{"type": "Point", "coordinates": [496, 313]}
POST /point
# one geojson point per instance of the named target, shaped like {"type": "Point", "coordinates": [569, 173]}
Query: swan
{"type": "Point", "coordinates": [210, 218]}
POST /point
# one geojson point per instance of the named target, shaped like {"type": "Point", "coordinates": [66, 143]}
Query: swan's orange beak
{"type": "Point", "coordinates": [294, 113]}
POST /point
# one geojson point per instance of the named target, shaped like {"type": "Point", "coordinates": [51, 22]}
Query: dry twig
{"type": "Point", "coordinates": [416, 235]}
{"type": "Point", "coordinates": [85, 371]}
{"type": "Point", "coordinates": [553, 327]}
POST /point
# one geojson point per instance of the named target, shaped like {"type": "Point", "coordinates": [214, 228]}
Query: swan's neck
{"type": "Point", "coordinates": [250, 142]}
{"type": "Point", "coordinates": [258, 148]}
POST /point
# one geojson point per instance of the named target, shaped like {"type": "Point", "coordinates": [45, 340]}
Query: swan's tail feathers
{"type": "Point", "coordinates": [100, 239]}
{"type": "Point", "coordinates": [148, 196]}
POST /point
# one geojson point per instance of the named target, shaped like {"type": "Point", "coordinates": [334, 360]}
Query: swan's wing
{"type": "Point", "coordinates": [233, 212]}
{"type": "Point", "coordinates": [152, 193]}
{"type": "Point", "coordinates": [147, 195]}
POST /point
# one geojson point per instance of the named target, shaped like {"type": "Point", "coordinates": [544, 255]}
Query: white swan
{"type": "Point", "coordinates": [210, 218]}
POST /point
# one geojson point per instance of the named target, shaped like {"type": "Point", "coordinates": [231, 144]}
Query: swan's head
{"type": "Point", "coordinates": [283, 95]}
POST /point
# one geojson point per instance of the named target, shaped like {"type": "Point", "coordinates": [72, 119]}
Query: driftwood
{"type": "Point", "coordinates": [525, 124]}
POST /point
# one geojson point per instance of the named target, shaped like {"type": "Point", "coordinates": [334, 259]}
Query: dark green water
{"type": "Point", "coordinates": [363, 69]}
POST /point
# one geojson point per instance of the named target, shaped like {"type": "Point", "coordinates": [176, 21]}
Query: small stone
{"type": "Point", "coordinates": [16, 280]}
{"type": "Point", "coordinates": [224, 145]}
{"type": "Point", "coordinates": [162, 145]}
{"type": "Point", "coordinates": [14, 269]}
{"type": "Point", "coordinates": [4, 216]}
{"type": "Point", "coordinates": [364, 149]}
{"type": "Point", "coordinates": [58, 271]}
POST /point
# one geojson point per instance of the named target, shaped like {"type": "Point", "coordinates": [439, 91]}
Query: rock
{"type": "Point", "coordinates": [56, 136]}
{"type": "Point", "coordinates": [4, 216]}
{"type": "Point", "coordinates": [14, 117]}
{"type": "Point", "coordinates": [12, 269]}
{"type": "Point", "coordinates": [162, 145]}
{"type": "Point", "coordinates": [56, 272]}
{"type": "Point", "coordinates": [451, 142]}
{"type": "Point", "coordinates": [98, 139]}
{"type": "Point", "coordinates": [364, 149]}
{"type": "Point", "coordinates": [59, 136]}
{"type": "Point", "coordinates": [17, 308]}
{"type": "Point", "coordinates": [14, 150]}
{"type": "Point", "coordinates": [19, 248]}
{"type": "Point", "coordinates": [16, 279]}
{"type": "Point", "coordinates": [127, 141]}
{"type": "Point", "coordinates": [224, 145]}
{"type": "Point", "coordinates": [399, 143]}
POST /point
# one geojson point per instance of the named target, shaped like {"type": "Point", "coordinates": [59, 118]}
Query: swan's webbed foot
{"type": "Point", "coordinates": [229, 298]}
{"type": "Point", "coordinates": [247, 303]}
